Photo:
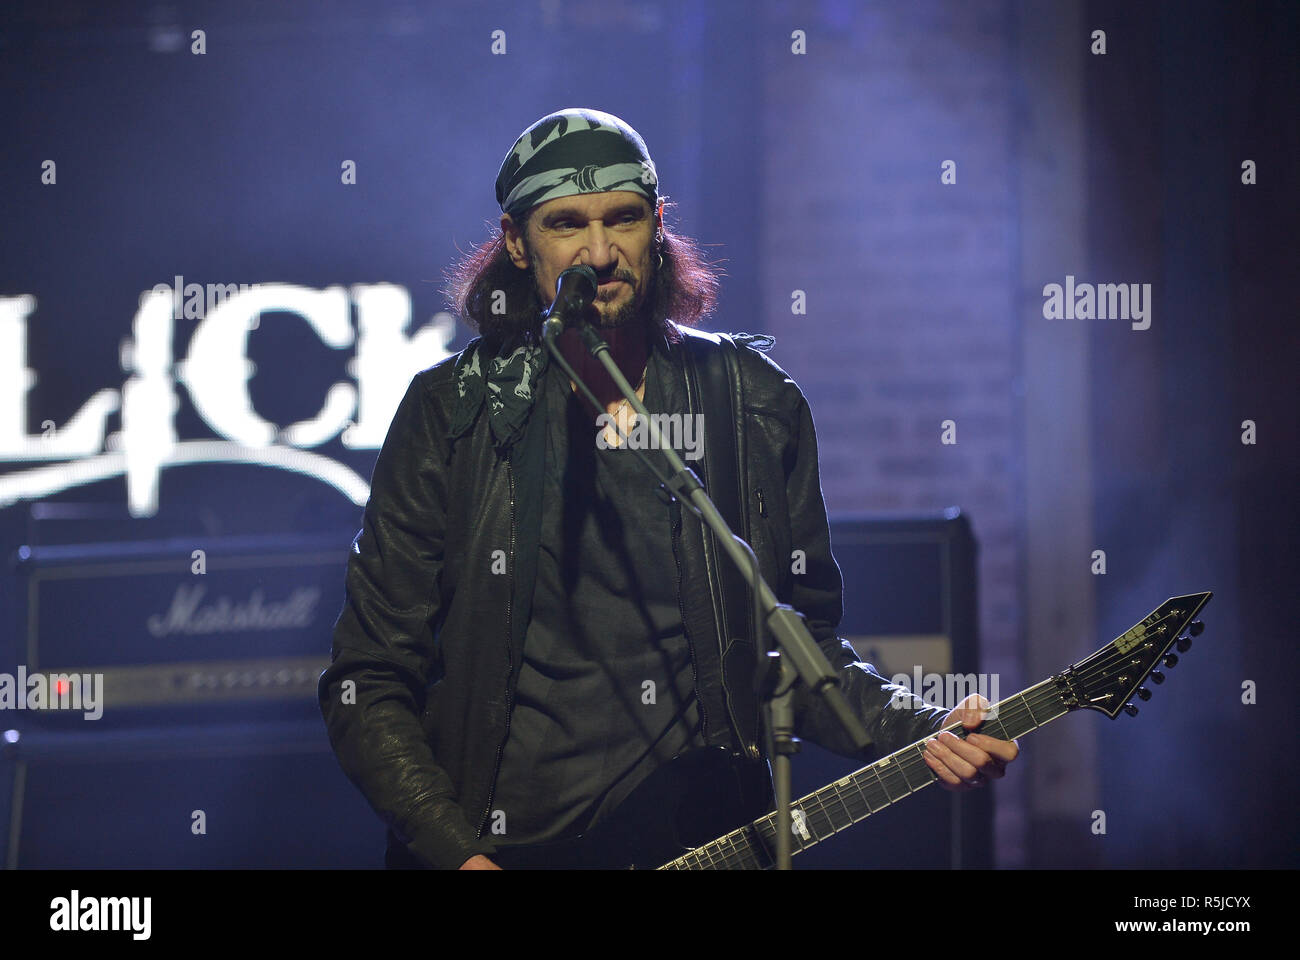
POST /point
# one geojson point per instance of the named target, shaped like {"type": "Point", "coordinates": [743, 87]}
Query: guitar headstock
{"type": "Point", "coordinates": [1106, 680]}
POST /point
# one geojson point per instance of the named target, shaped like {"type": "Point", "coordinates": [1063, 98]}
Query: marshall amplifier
{"type": "Point", "coordinates": [909, 610]}
{"type": "Point", "coordinates": [182, 625]}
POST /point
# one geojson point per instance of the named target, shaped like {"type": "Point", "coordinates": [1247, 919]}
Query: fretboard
{"type": "Point", "coordinates": [853, 798]}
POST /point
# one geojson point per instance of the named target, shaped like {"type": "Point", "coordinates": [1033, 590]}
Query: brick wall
{"type": "Point", "coordinates": [910, 283]}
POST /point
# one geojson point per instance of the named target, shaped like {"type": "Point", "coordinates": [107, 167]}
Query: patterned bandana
{"type": "Point", "coordinates": [508, 386]}
{"type": "Point", "coordinates": [574, 151]}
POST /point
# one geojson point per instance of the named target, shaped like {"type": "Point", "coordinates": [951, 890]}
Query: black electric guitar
{"type": "Point", "coordinates": [668, 820]}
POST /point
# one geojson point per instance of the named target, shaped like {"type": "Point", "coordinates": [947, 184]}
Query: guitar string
{"type": "Point", "coordinates": [813, 805]}
{"type": "Point", "coordinates": [909, 763]}
{"type": "Point", "coordinates": [1048, 694]}
{"type": "Point", "coordinates": [1045, 692]}
{"type": "Point", "coordinates": [765, 825]}
{"type": "Point", "coordinates": [812, 809]}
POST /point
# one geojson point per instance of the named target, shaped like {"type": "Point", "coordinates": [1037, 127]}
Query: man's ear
{"type": "Point", "coordinates": [514, 242]}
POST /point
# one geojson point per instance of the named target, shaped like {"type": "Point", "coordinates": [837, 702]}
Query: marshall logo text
{"type": "Point", "coordinates": [223, 615]}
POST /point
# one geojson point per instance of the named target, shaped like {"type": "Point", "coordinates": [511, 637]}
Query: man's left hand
{"type": "Point", "coordinates": [964, 764]}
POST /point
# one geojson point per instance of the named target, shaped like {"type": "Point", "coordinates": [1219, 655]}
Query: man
{"type": "Point", "coordinates": [530, 626]}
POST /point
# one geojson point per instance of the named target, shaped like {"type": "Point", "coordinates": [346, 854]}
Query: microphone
{"type": "Point", "coordinates": [574, 292]}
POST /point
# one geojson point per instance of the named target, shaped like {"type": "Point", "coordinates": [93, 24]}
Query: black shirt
{"type": "Point", "coordinates": [606, 687]}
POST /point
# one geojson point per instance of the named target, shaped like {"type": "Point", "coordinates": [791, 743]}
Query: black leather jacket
{"type": "Point", "coordinates": [426, 649]}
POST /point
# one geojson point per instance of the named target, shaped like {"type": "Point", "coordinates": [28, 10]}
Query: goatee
{"type": "Point", "coordinates": [626, 314]}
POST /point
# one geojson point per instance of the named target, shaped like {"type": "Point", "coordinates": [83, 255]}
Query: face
{"type": "Point", "coordinates": [613, 233]}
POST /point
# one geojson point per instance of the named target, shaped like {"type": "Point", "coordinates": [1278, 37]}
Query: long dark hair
{"type": "Point", "coordinates": [685, 288]}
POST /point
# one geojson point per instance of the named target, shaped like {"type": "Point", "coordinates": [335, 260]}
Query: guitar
{"type": "Point", "coordinates": [667, 820]}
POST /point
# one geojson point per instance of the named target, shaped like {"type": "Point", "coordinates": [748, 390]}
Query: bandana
{"type": "Point", "coordinates": [507, 381]}
{"type": "Point", "coordinates": [574, 151]}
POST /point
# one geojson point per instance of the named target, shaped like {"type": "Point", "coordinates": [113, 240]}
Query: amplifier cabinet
{"type": "Point", "coordinates": [218, 795]}
{"type": "Point", "coordinates": [184, 623]}
{"type": "Point", "coordinates": [910, 608]}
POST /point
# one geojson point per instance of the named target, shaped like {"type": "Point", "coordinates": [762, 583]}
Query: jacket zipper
{"type": "Point", "coordinates": [510, 660]}
{"type": "Point", "coordinates": [752, 748]}
{"type": "Point", "coordinates": [695, 673]}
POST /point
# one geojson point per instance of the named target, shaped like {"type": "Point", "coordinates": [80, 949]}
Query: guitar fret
{"type": "Point", "coordinates": [712, 850]}
{"type": "Point", "coordinates": [895, 774]}
{"type": "Point", "coordinates": [1031, 714]}
{"type": "Point", "coordinates": [901, 766]}
{"type": "Point", "coordinates": [825, 817]}
{"type": "Point", "coordinates": [703, 857]}
{"type": "Point", "coordinates": [880, 793]}
{"type": "Point", "coordinates": [764, 830]}
{"type": "Point", "coordinates": [857, 802]}
{"type": "Point", "coordinates": [865, 799]}
{"type": "Point", "coordinates": [884, 789]}
{"type": "Point", "coordinates": [737, 848]}
{"type": "Point", "coordinates": [753, 852]}
{"type": "Point", "coordinates": [920, 756]}
{"type": "Point", "coordinates": [1003, 709]}
{"type": "Point", "coordinates": [708, 852]}
{"type": "Point", "coordinates": [758, 843]}
{"type": "Point", "coordinates": [843, 804]}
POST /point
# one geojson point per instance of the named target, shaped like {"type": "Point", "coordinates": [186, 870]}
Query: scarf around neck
{"type": "Point", "coordinates": [507, 382]}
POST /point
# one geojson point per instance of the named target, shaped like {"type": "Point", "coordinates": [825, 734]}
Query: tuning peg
{"type": "Point", "coordinates": [1196, 628]}
{"type": "Point", "coordinates": [1130, 709]}
{"type": "Point", "coordinates": [1171, 660]}
{"type": "Point", "coordinates": [1144, 693]}
{"type": "Point", "coordinates": [1157, 676]}
{"type": "Point", "coordinates": [1184, 644]}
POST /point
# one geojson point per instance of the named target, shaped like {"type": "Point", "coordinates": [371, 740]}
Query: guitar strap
{"type": "Point", "coordinates": [714, 387]}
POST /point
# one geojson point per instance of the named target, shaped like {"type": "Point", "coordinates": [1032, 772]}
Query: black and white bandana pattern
{"type": "Point", "coordinates": [573, 151]}
{"type": "Point", "coordinates": [508, 387]}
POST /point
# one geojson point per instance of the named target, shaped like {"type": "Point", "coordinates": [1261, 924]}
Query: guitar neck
{"type": "Point", "coordinates": [1103, 681]}
{"type": "Point", "coordinates": [847, 801]}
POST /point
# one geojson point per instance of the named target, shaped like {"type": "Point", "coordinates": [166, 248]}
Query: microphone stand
{"type": "Point", "coordinates": [777, 674]}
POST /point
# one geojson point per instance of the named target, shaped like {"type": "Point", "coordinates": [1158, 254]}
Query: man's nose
{"type": "Point", "coordinates": [601, 255]}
